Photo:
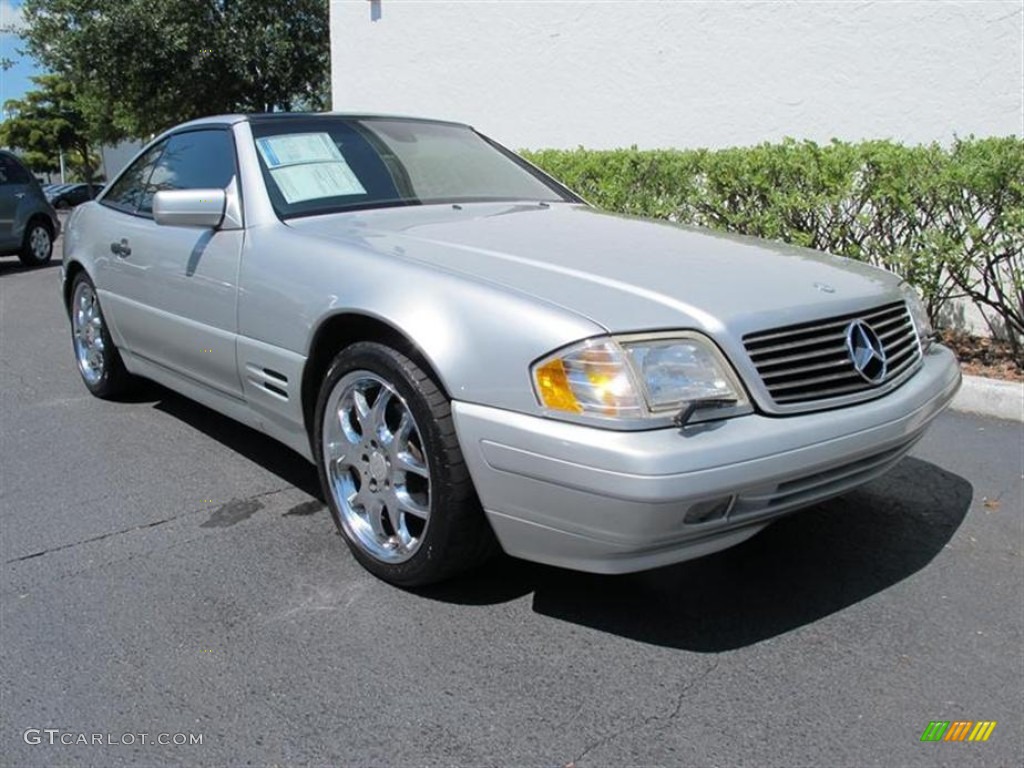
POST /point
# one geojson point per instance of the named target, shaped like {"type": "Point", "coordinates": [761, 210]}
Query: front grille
{"type": "Point", "coordinates": [809, 362]}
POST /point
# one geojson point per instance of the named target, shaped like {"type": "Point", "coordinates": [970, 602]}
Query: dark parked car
{"type": "Point", "coordinates": [65, 196]}
{"type": "Point", "coordinates": [28, 223]}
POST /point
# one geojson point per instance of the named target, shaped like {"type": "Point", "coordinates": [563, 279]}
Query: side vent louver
{"type": "Point", "coordinates": [268, 380]}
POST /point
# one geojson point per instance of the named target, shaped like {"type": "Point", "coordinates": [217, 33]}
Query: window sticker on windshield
{"type": "Point", "coordinates": [308, 166]}
{"type": "Point", "coordinates": [315, 180]}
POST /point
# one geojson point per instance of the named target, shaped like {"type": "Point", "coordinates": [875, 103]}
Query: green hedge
{"type": "Point", "coordinates": [949, 220]}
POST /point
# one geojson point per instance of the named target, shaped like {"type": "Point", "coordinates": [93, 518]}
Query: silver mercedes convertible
{"type": "Point", "coordinates": [475, 358]}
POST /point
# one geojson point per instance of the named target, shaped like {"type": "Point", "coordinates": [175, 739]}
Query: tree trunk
{"type": "Point", "coordinates": [87, 169]}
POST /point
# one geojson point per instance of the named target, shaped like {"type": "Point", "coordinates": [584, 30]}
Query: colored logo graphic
{"type": "Point", "coordinates": [958, 730]}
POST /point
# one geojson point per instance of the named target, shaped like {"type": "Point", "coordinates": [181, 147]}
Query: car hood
{"type": "Point", "coordinates": [623, 273]}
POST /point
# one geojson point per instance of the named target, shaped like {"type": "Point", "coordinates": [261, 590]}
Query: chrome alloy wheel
{"type": "Point", "coordinates": [87, 328]}
{"type": "Point", "coordinates": [39, 243]}
{"type": "Point", "coordinates": [376, 467]}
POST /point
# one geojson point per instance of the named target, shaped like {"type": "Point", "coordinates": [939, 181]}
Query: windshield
{"type": "Point", "coordinates": [325, 165]}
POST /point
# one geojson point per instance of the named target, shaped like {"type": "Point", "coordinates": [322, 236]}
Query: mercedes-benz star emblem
{"type": "Point", "coordinates": [866, 351]}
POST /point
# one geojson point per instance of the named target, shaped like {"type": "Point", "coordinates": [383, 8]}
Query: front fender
{"type": "Point", "coordinates": [479, 338]}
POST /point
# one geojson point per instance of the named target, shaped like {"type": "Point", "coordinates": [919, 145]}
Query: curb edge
{"type": "Point", "coordinates": [991, 397]}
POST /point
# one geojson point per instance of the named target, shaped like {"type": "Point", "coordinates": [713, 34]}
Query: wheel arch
{"type": "Point", "coordinates": [72, 271]}
{"type": "Point", "coordinates": [341, 330]}
{"type": "Point", "coordinates": [43, 219]}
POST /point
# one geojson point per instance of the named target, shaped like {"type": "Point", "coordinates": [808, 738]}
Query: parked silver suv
{"type": "Point", "coordinates": [28, 223]}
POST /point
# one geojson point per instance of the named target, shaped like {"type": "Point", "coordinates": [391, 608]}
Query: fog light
{"type": "Point", "coordinates": [708, 511]}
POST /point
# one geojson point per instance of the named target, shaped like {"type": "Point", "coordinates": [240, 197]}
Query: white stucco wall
{"type": "Point", "coordinates": [686, 74]}
{"type": "Point", "coordinates": [116, 157]}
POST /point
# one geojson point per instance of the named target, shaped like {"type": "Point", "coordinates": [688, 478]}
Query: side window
{"type": "Point", "coordinates": [193, 160]}
{"type": "Point", "coordinates": [127, 191]}
{"type": "Point", "coordinates": [21, 174]}
{"type": "Point", "coordinates": [12, 172]}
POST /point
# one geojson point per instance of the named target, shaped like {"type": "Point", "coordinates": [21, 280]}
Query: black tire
{"type": "Point", "coordinates": [37, 245]}
{"type": "Point", "coordinates": [114, 379]}
{"type": "Point", "coordinates": [457, 536]}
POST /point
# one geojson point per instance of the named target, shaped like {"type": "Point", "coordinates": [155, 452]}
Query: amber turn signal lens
{"type": "Point", "coordinates": [553, 387]}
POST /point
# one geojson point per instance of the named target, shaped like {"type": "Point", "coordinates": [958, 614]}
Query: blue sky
{"type": "Point", "coordinates": [14, 82]}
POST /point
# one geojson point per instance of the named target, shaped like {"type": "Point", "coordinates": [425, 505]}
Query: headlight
{"type": "Point", "coordinates": [919, 314]}
{"type": "Point", "coordinates": [592, 378]}
{"type": "Point", "coordinates": [639, 380]}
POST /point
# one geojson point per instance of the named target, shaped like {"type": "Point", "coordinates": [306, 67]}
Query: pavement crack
{"type": "Point", "coordinates": [93, 539]}
{"type": "Point", "coordinates": [647, 721]}
{"type": "Point", "coordinates": [231, 505]}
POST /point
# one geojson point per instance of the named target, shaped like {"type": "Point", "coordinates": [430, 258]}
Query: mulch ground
{"type": "Point", "coordinates": [984, 357]}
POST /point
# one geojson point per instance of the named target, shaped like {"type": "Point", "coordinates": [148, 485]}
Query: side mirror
{"type": "Point", "coordinates": [190, 207]}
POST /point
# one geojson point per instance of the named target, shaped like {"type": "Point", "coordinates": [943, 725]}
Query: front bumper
{"type": "Point", "coordinates": [614, 502]}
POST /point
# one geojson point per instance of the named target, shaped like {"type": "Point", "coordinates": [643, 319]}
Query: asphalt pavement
{"type": "Point", "coordinates": [166, 571]}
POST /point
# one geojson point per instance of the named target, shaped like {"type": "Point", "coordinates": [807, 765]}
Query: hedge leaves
{"type": "Point", "coordinates": [949, 220]}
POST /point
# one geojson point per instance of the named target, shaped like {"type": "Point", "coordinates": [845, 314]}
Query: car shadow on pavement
{"type": "Point", "coordinates": [12, 266]}
{"type": "Point", "coordinates": [255, 446]}
{"type": "Point", "coordinates": [797, 571]}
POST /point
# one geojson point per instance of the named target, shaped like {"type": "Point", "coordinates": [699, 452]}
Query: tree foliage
{"type": "Point", "coordinates": [140, 66]}
{"type": "Point", "coordinates": [47, 121]}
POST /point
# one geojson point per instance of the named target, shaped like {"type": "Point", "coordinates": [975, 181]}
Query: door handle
{"type": "Point", "coordinates": [121, 249]}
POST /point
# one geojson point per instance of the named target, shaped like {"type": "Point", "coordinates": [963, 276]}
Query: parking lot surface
{"type": "Point", "coordinates": [168, 572]}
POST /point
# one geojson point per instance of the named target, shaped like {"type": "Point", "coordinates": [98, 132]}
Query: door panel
{"type": "Point", "coordinates": [186, 319]}
{"type": "Point", "coordinates": [15, 183]}
{"type": "Point", "coordinates": [121, 282]}
{"type": "Point", "coordinates": [8, 209]}
{"type": "Point", "coordinates": [173, 290]}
